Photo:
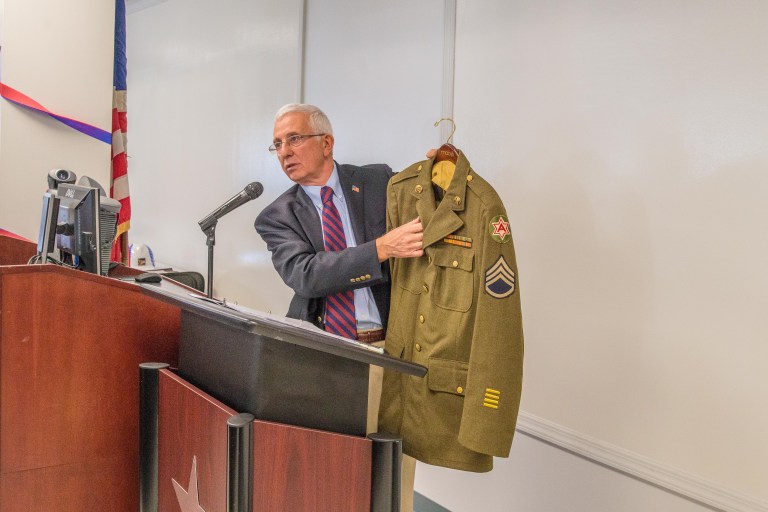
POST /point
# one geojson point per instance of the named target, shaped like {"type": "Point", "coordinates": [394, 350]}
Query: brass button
{"type": "Point", "coordinates": [425, 287]}
{"type": "Point", "coordinates": [418, 189]}
{"type": "Point", "coordinates": [459, 390]}
{"type": "Point", "coordinates": [469, 177]}
{"type": "Point", "coordinates": [367, 276]}
{"type": "Point", "coordinates": [421, 318]}
{"type": "Point", "coordinates": [455, 263]}
{"type": "Point", "coordinates": [457, 200]}
{"type": "Point", "coordinates": [418, 348]}
{"type": "Point", "coordinates": [352, 280]}
{"type": "Point", "coordinates": [419, 168]}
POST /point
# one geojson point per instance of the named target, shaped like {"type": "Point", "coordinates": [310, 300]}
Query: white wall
{"type": "Point", "coordinates": [626, 139]}
{"type": "Point", "coordinates": [63, 60]}
{"type": "Point", "coordinates": [204, 82]}
{"type": "Point", "coordinates": [628, 142]}
{"type": "Point", "coordinates": [541, 478]}
{"type": "Point", "coordinates": [377, 73]}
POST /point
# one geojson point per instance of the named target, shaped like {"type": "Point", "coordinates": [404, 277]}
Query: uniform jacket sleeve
{"type": "Point", "coordinates": [494, 379]}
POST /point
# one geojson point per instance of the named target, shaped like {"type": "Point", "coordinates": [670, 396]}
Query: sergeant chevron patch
{"type": "Point", "coordinates": [500, 279]}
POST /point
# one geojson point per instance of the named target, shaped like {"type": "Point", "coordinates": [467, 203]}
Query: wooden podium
{"type": "Point", "coordinates": [199, 454]}
{"type": "Point", "coordinates": [69, 411]}
{"type": "Point", "coordinates": [265, 414]}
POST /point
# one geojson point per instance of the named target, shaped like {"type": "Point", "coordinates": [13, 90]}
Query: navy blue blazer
{"type": "Point", "coordinates": [291, 228]}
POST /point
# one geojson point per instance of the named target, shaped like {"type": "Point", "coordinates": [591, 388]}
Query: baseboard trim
{"type": "Point", "coordinates": [666, 477]}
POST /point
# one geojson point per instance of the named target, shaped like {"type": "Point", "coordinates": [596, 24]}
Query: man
{"type": "Point", "coordinates": [298, 229]}
{"type": "Point", "coordinates": [293, 228]}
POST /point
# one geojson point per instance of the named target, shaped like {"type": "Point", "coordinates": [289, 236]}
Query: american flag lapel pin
{"type": "Point", "coordinates": [355, 188]}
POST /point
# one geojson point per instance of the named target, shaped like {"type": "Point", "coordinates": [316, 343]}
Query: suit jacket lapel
{"type": "Point", "coordinates": [355, 202]}
{"type": "Point", "coordinates": [308, 218]}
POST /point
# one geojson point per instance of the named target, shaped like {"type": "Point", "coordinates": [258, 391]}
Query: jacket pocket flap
{"type": "Point", "coordinates": [454, 257]}
{"type": "Point", "coordinates": [447, 376]}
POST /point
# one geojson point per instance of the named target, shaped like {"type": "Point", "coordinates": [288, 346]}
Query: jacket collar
{"type": "Point", "coordinates": [440, 219]}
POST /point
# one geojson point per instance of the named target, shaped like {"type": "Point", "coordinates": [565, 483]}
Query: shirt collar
{"type": "Point", "coordinates": [313, 191]}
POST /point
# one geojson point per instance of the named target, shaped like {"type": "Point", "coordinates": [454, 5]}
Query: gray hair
{"type": "Point", "coordinates": [318, 121]}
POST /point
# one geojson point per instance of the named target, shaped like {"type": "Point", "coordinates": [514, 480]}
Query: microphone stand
{"type": "Point", "coordinates": [210, 241]}
{"type": "Point", "coordinates": [208, 224]}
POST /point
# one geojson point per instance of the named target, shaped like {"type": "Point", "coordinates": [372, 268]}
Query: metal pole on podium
{"type": "Point", "coordinates": [240, 463]}
{"type": "Point", "coordinates": [149, 406]}
{"type": "Point", "coordinates": [210, 241]}
{"type": "Point", "coordinates": [387, 460]}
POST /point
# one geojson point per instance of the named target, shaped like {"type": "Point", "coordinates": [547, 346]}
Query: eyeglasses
{"type": "Point", "coordinates": [293, 141]}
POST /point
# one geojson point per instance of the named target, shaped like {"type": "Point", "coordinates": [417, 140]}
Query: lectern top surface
{"type": "Point", "coordinates": [283, 329]}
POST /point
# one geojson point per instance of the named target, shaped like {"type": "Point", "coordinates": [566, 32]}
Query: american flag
{"type": "Point", "coordinates": [119, 188]}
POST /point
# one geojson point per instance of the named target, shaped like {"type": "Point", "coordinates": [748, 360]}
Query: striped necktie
{"type": "Point", "coordinates": [339, 307]}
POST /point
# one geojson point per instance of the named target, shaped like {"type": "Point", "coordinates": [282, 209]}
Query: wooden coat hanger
{"type": "Point", "coordinates": [447, 152]}
{"type": "Point", "coordinates": [445, 159]}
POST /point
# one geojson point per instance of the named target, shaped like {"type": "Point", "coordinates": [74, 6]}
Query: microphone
{"type": "Point", "coordinates": [251, 191]}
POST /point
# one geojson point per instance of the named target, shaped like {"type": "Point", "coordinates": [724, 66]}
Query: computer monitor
{"type": "Point", "coordinates": [46, 241]}
{"type": "Point", "coordinates": [86, 225]}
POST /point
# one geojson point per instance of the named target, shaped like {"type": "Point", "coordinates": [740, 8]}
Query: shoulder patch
{"type": "Point", "coordinates": [499, 229]}
{"type": "Point", "coordinates": [500, 279]}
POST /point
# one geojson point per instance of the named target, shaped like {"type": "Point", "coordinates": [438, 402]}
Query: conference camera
{"type": "Point", "coordinates": [58, 176]}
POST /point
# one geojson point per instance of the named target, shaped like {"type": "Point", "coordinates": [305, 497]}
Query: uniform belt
{"type": "Point", "coordinates": [370, 335]}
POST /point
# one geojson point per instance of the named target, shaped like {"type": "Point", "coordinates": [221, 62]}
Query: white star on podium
{"type": "Point", "coordinates": [189, 500]}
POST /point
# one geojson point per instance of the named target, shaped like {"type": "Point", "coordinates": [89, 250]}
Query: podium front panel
{"type": "Point", "coordinates": [303, 470]}
{"type": "Point", "coordinates": [192, 447]}
{"type": "Point", "coordinates": [285, 468]}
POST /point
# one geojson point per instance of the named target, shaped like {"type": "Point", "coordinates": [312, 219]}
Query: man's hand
{"type": "Point", "coordinates": [402, 242]}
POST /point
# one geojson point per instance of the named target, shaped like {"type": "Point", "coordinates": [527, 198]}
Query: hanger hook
{"type": "Point", "coordinates": [452, 123]}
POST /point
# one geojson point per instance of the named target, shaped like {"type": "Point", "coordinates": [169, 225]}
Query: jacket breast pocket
{"type": "Point", "coordinates": [454, 283]}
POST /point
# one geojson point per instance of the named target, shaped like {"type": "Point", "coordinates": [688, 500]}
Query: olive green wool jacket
{"type": "Point", "coordinates": [455, 310]}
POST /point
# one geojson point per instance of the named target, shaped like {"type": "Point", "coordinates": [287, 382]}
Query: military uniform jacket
{"type": "Point", "coordinates": [455, 310]}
